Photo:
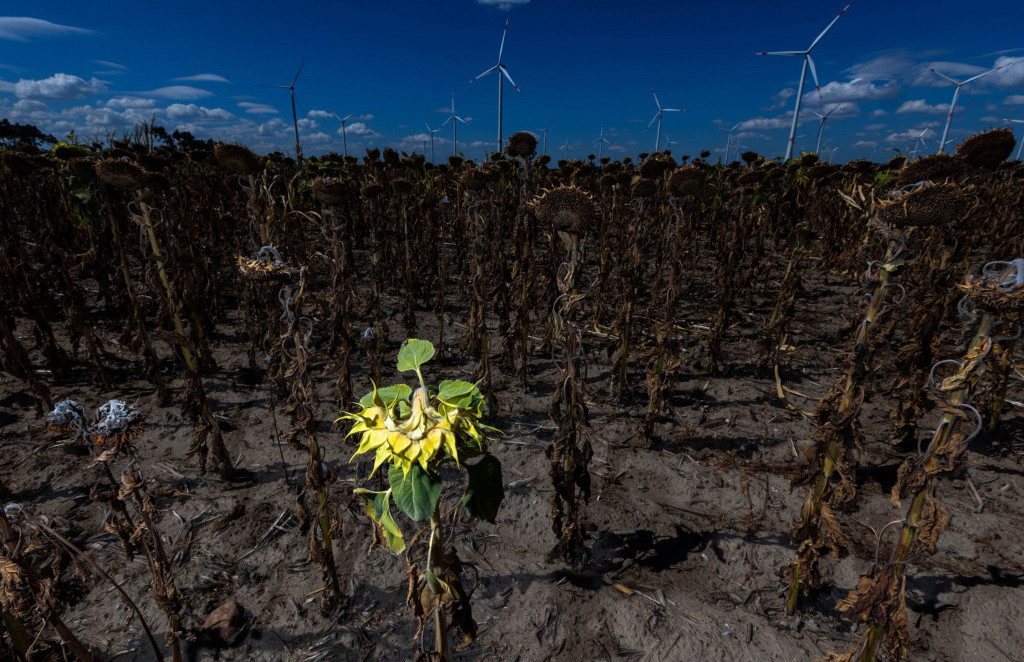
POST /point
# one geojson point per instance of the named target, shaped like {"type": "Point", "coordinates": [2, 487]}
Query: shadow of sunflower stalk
{"type": "Point", "coordinates": [416, 433]}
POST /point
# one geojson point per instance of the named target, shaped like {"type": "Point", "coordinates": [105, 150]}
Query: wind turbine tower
{"type": "Point", "coordinates": [344, 135]}
{"type": "Point", "coordinates": [502, 75]}
{"type": "Point", "coordinates": [956, 95]}
{"type": "Point", "coordinates": [544, 131]}
{"type": "Point", "coordinates": [728, 140]}
{"type": "Point", "coordinates": [600, 142]}
{"type": "Point", "coordinates": [657, 116]}
{"type": "Point", "coordinates": [432, 132]}
{"type": "Point", "coordinates": [295, 118]}
{"type": "Point", "coordinates": [821, 127]}
{"type": "Point", "coordinates": [808, 62]}
{"type": "Point", "coordinates": [454, 119]}
{"type": "Point", "coordinates": [1020, 142]}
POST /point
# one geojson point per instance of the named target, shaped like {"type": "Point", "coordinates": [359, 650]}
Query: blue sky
{"type": "Point", "coordinates": [581, 65]}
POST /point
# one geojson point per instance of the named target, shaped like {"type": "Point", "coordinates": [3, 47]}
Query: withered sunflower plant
{"type": "Point", "coordinates": [416, 432]}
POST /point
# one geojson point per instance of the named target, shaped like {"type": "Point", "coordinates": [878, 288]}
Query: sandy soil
{"type": "Point", "coordinates": [687, 536]}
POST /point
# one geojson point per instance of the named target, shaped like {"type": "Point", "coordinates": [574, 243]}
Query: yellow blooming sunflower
{"type": "Point", "coordinates": [423, 437]}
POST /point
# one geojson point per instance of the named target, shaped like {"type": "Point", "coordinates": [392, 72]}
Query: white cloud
{"type": "Point", "coordinates": [764, 123]}
{"type": "Point", "coordinates": [781, 98]}
{"type": "Point", "coordinates": [111, 68]}
{"type": "Point", "coordinates": [360, 129]}
{"type": "Point", "coordinates": [857, 89]}
{"type": "Point", "coordinates": [1014, 100]}
{"type": "Point", "coordinates": [129, 102]}
{"type": "Point", "coordinates": [203, 78]}
{"type": "Point", "coordinates": [864, 143]}
{"type": "Point", "coordinates": [922, 106]}
{"type": "Point", "coordinates": [878, 112]}
{"type": "Point", "coordinates": [179, 92]}
{"type": "Point", "coordinates": [366, 117]}
{"type": "Point", "coordinates": [319, 114]}
{"type": "Point", "coordinates": [257, 108]}
{"type": "Point", "coordinates": [22, 28]}
{"type": "Point", "coordinates": [1011, 75]}
{"type": "Point", "coordinates": [318, 137]}
{"type": "Point", "coordinates": [182, 112]}
{"type": "Point", "coordinates": [58, 86]}
{"type": "Point", "coordinates": [911, 134]}
{"type": "Point", "coordinates": [892, 67]}
{"type": "Point", "coordinates": [503, 5]}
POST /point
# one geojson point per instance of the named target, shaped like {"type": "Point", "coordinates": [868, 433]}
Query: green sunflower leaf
{"type": "Point", "coordinates": [416, 493]}
{"type": "Point", "coordinates": [414, 353]}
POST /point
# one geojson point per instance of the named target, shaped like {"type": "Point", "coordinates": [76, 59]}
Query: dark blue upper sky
{"type": "Point", "coordinates": [91, 66]}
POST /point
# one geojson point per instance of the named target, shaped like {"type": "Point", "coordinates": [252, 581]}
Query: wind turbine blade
{"type": "Point", "coordinates": [985, 74]}
{"type": "Point", "coordinates": [834, 109]}
{"type": "Point", "coordinates": [782, 53]}
{"type": "Point", "coordinates": [478, 77]}
{"type": "Point", "coordinates": [298, 72]}
{"type": "Point", "coordinates": [505, 71]}
{"type": "Point", "coordinates": [658, 103]}
{"type": "Point", "coordinates": [821, 117]}
{"type": "Point", "coordinates": [549, 124]}
{"type": "Point", "coordinates": [459, 119]}
{"type": "Point", "coordinates": [346, 118]}
{"type": "Point", "coordinates": [827, 28]}
{"type": "Point", "coordinates": [504, 32]}
{"type": "Point", "coordinates": [814, 74]}
{"type": "Point", "coordinates": [673, 110]}
{"type": "Point", "coordinates": [939, 73]}
{"type": "Point", "coordinates": [428, 127]}
{"type": "Point", "coordinates": [656, 116]}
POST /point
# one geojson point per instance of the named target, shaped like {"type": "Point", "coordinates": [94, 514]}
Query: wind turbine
{"type": "Point", "coordinates": [600, 142]}
{"type": "Point", "coordinates": [432, 132]}
{"type": "Point", "coordinates": [956, 95]}
{"type": "Point", "coordinates": [502, 74]}
{"type": "Point", "coordinates": [565, 147]}
{"type": "Point", "coordinates": [918, 144]}
{"type": "Point", "coordinates": [821, 127]}
{"type": "Point", "coordinates": [669, 142]}
{"type": "Point", "coordinates": [344, 136]}
{"type": "Point", "coordinates": [657, 116]}
{"type": "Point", "coordinates": [806, 55]}
{"type": "Point", "coordinates": [544, 149]}
{"type": "Point", "coordinates": [728, 140]}
{"type": "Point", "coordinates": [295, 119]}
{"type": "Point", "coordinates": [454, 119]}
{"type": "Point", "coordinates": [1021, 142]}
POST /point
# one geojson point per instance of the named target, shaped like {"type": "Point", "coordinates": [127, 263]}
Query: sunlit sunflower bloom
{"type": "Point", "coordinates": [425, 436]}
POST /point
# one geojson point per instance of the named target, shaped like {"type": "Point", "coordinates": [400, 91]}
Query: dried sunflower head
{"type": "Point", "coordinates": [237, 158]}
{"type": "Point", "coordinates": [567, 208]}
{"type": "Point", "coordinates": [988, 149]}
{"type": "Point", "coordinates": [120, 174]}
{"type": "Point", "coordinates": [117, 426]}
{"type": "Point", "coordinates": [522, 143]}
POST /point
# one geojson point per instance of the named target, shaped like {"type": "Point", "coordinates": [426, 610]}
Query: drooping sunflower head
{"type": "Point", "coordinates": [988, 149]}
{"type": "Point", "coordinates": [406, 428]}
{"type": "Point", "coordinates": [568, 208]}
{"type": "Point", "coordinates": [237, 158]}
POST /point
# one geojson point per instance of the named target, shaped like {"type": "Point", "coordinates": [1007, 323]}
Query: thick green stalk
{"type": "Point", "coordinates": [435, 566]}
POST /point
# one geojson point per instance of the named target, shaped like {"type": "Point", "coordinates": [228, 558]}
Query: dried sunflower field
{"type": "Point", "coordinates": [381, 409]}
